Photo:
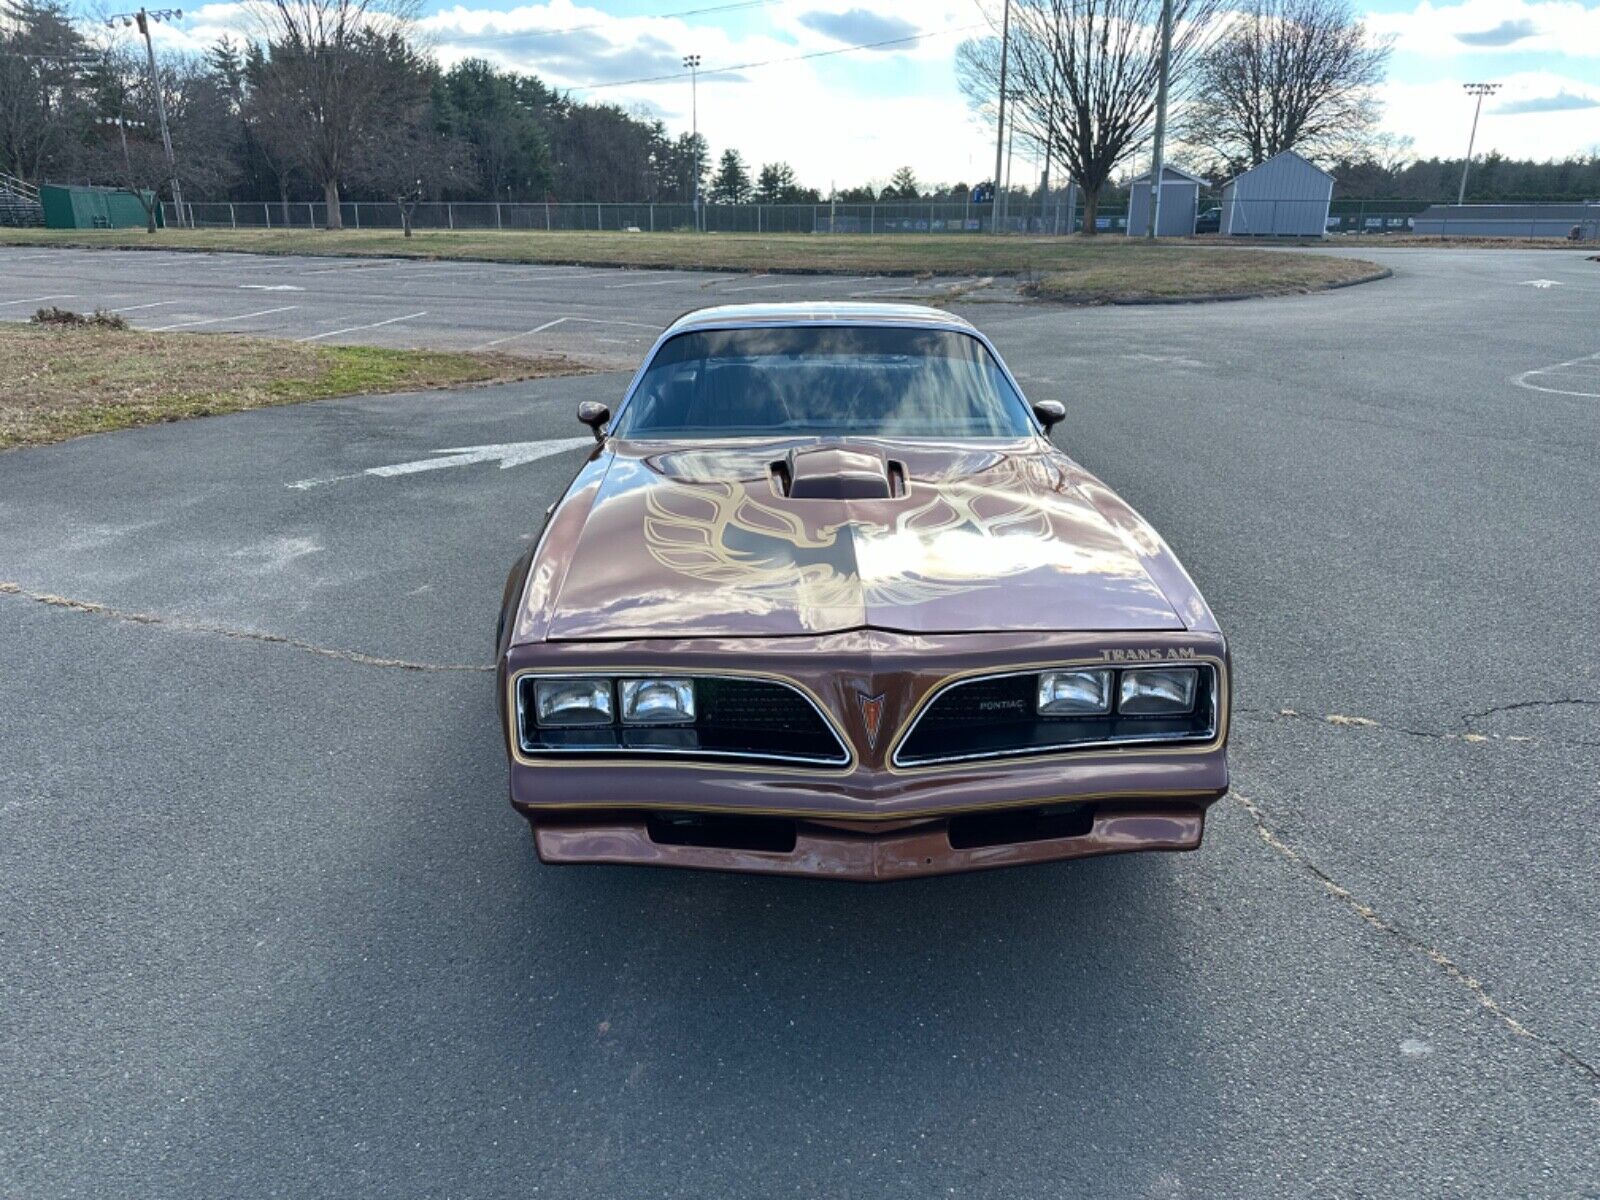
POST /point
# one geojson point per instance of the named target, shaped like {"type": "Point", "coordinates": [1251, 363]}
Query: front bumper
{"type": "Point", "coordinates": [865, 855]}
{"type": "Point", "coordinates": [869, 819]}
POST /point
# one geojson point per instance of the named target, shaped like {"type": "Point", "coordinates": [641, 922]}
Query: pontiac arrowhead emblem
{"type": "Point", "coordinates": [872, 714]}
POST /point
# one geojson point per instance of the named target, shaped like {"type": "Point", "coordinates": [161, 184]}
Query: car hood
{"type": "Point", "coordinates": [702, 542]}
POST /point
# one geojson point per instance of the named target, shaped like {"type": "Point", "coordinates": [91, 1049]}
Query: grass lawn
{"type": "Point", "coordinates": [1084, 270]}
{"type": "Point", "coordinates": [62, 382]}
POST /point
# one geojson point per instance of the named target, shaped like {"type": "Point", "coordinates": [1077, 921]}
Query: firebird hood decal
{"type": "Point", "coordinates": [706, 545]}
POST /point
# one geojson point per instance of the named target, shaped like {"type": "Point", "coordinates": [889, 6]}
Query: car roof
{"type": "Point", "coordinates": [723, 316]}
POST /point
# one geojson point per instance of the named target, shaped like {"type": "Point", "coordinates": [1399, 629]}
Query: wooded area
{"type": "Point", "coordinates": [332, 99]}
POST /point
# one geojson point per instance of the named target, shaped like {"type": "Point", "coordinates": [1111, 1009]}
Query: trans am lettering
{"type": "Point", "coordinates": [1146, 654]}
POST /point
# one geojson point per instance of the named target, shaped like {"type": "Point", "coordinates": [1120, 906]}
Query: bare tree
{"type": "Point", "coordinates": [324, 75]}
{"type": "Point", "coordinates": [1083, 78]}
{"type": "Point", "coordinates": [407, 157]}
{"type": "Point", "coordinates": [1287, 74]}
{"type": "Point", "coordinates": [125, 145]}
{"type": "Point", "coordinates": [42, 110]}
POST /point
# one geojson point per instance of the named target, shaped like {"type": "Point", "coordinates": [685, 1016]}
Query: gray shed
{"type": "Point", "coordinates": [1180, 201]}
{"type": "Point", "coordinates": [1285, 196]}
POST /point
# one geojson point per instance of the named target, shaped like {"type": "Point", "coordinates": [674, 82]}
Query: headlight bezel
{"type": "Point", "coordinates": [721, 730]}
{"type": "Point", "coordinates": [981, 724]}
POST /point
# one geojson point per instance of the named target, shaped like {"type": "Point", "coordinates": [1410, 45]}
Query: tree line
{"type": "Point", "coordinates": [335, 99]}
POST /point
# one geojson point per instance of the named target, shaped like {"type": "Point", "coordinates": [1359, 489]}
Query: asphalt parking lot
{"type": "Point", "coordinates": [271, 929]}
{"type": "Point", "coordinates": [605, 316]}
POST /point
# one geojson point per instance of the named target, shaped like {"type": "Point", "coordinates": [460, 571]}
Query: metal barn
{"type": "Point", "coordinates": [1180, 202]}
{"type": "Point", "coordinates": [1286, 196]}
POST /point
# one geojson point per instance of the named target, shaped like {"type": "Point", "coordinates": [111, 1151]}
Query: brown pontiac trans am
{"type": "Point", "coordinates": [826, 601]}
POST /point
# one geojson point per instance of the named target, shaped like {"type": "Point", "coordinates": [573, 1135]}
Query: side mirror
{"type": "Point", "coordinates": [1050, 413]}
{"type": "Point", "coordinates": [595, 415]}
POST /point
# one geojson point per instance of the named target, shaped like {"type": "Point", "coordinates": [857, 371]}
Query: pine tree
{"type": "Point", "coordinates": [903, 185]}
{"type": "Point", "coordinates": [732, 182]}
{"type": "Point", "coordinates": [776, 184]}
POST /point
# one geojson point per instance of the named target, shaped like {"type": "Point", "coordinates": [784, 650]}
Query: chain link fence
{"type": "Point", "coordinates": [1057, 215]}
{"type": "Point", "coordinates": [921, 216]}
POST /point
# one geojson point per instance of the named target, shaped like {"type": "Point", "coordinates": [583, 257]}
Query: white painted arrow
{"type": "Point", "coordinates": [269, 287]}
{"type": "Point", "coordinates": [507, 454]}
{"type": "Point", "coordinates": [1541, 283]}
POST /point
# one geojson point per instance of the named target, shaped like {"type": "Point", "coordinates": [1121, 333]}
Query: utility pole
{"type": "Point", "coordinates": [1480, 90]}
{"type": "Point", "coordinates": [1158, 163]}
{"type": "Point", "coordinates": [1049, 143]}
{"type": "Point", "coordinates": [692, 62]}
{"type": "Point", "coordinates": [142, 19]}
{"type": "Point", "coordinates": [1000, 121]}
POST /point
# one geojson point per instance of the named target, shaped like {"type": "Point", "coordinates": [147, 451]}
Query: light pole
{"type": "Point", "coordinates": [692, 63]}
{"type": "Point", "coordinates": [1000, 122]}
{"type": "Point", "coordinates": [142, 19]}
{"type": "Point", "coordinates": [1480, 90]}
{"type": "Point", "coordinates": [1158, 164]}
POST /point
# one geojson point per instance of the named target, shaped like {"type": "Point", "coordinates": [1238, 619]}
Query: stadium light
{"type": "Point", "coordinates": [142, 19]}
{"type": "Point", "coordinates": [691, 63]}
{"type": "Point", "coordinates": [1480, 90]}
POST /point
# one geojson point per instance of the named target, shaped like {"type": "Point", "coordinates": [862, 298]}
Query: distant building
{"type": "Point", "coordinates": [1180, 201]}
{"type": "Point", "coordinates": [1286, 196]}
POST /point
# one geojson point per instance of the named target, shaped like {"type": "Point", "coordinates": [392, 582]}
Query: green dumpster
{"type": "Point", "coordinates": [94, 208]}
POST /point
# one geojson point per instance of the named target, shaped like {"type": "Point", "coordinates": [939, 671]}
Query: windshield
{"type": "Point", "coordinates": [863, 380]}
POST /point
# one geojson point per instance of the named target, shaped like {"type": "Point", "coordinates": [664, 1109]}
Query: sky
{"type": "Point", "coordinates": [853, 117]}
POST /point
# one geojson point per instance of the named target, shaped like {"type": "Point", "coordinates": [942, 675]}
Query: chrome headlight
{"type": "Point", "coordinates": [1074, 693]}
{"type": "Point", "coordinates": [562, 702]}
{"type": "Point", "coordinates": [1151, 692]}
{"type": "Point", "coordinates": [657, 701]}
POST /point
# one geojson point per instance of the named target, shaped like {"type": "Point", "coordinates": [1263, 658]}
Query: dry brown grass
{"type": "Point", "coordinates": [1103, 268]}
{"type": "Point", "coordinates": [1203, 275]}
{"type": "Point", "coordinates": [62, 380]}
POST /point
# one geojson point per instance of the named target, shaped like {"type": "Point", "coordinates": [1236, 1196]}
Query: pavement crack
{"type": "Point", "coordinates": [1451, 969]}
{"type": "Point", "coordinates": [94, 608]}
{"type": "Point", "coordinates": [1516, 706]}
{"type": "Point", "coordinates": [1348, 721]}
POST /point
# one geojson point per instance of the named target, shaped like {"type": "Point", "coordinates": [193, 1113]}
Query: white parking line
{"type": "Point", "coordinates": [33, 257]}
{"type": "Point", "coordinates": [37, 299]}
{"type": "Point", "coordinates": [1564, 372]}
{"type": "Point", "coordinates": [611, 287]}
{"type": "Point", "coordinates": [315, 337]}
{"type": "Point", "coordinates": [603, 321]}
{"type": "Point", "coordinates": [525, 333]}
{"type": "Point", "coordinates": [265, 312]}
{"type": "Point", "coordinates": [902, 290]}
{"type": "Point", "coordinates": [815, 282]}
{"type": "Point", "coordinates": [152, 304]}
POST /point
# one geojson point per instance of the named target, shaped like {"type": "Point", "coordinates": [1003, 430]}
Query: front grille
{"type": "Point", "coordinates": [995, 717]}
{"type": "Point", "coordinates": [736, 717]}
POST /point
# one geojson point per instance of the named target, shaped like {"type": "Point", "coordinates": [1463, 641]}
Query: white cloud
{"type": "Point", "coordinates": [832, 119]}
{"type": "Point", "coordinates": [1475, 27]}
{"type": "Point", "coordinates": [1520, 122]}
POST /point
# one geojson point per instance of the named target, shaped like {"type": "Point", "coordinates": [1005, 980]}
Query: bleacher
{"type": "Point", "coordinates": [19, 202]}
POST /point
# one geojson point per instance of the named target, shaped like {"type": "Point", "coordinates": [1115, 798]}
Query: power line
{"type": "Point", "coordinates": [544, 33]}
{"type": "Point", "coordinates": [769, 62]}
